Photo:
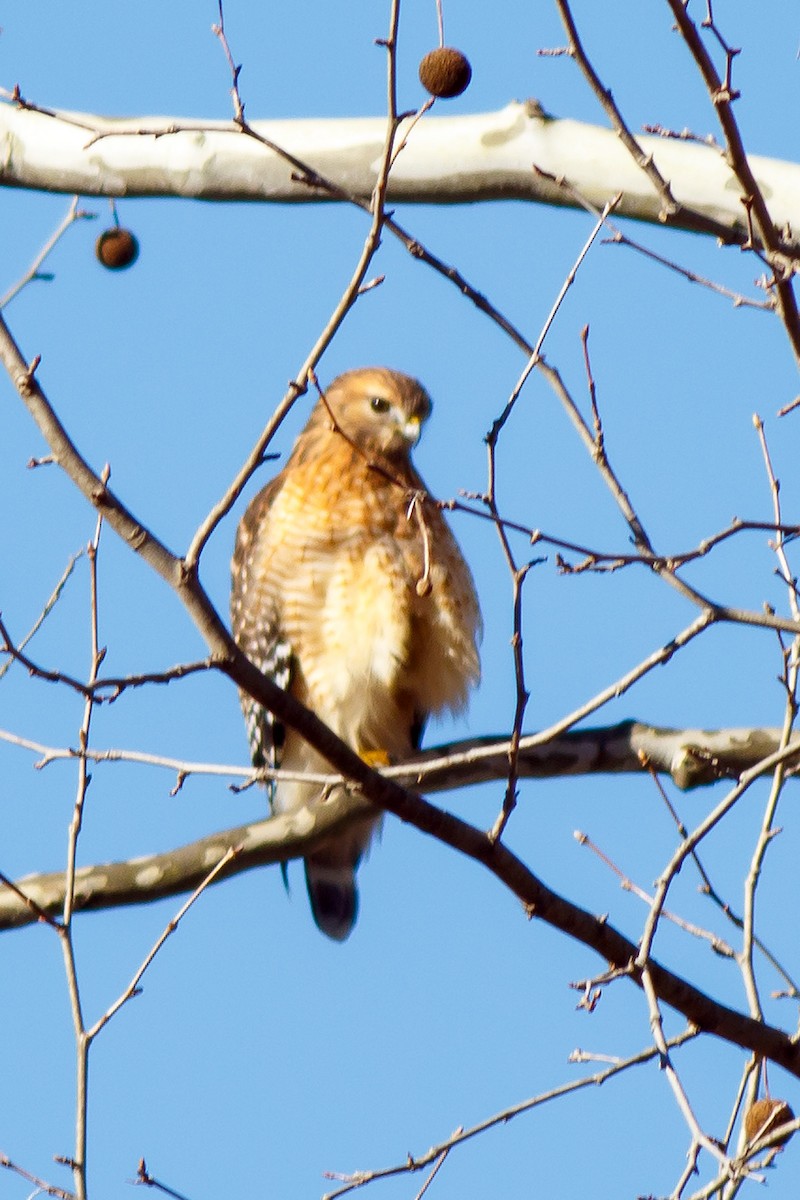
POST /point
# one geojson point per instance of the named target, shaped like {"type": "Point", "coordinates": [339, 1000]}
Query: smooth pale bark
{"type": "Point", "coordinates": [446, 160]}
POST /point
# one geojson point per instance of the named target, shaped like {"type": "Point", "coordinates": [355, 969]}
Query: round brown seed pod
{"type": "Point", "coordinates": [445, 72]}
{"type": "Point", "coordinates": [116, 249]}
{"type": "Point", "coordinates": [764, 1116]}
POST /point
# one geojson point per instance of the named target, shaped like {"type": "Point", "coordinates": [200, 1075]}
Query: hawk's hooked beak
{"type": "Point", "coordinates": [411, 430]}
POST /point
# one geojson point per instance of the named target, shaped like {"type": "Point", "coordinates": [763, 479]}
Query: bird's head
{"type": "Point", "coordinates": [379, 410]}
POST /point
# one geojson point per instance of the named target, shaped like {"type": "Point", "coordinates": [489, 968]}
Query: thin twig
{"type": "Point", "coordinates": [49, 1189]}
{"type": "Point", "coordinates": [790, 681]}
{"type": "Point", "coordinates": [723, 95]}
{"type": "Point", "coordinates": [133, 987]}
{"type": "Point", "coordinates": [418, 1163]}
{"type": "Point", "coordinates": [50, 604]}
{"type": "Point", "coordinates": [349, 297]}
{"type": "Point", "coordinates": [534, 357]}
{"type": "Point", "coordinates": [577, 198]}
{"type": "Point", "coordinates": [645, 161]}
{"type": "Point", "coordinates": [519, 573]}
{"type": "Point", "coordinates": [693, 839]}
{"type": "Point", "coordinates": [95, 689]}
{"type": "Point", "coordinates": [38, 912]}
{"type": "Point", "coordinates": [144, 1178]}
{"type": "Point", "coordinates": [739, 301]}
{"type": "Point", "coordinates": [34, 270]}
{"type": "Point", "coordinates": [82, 1042]}
{"type": "Point", "coordinates": [698, 1136]}
{"type": "Point", "coordinates": [434, 1172]}
{"type": "Point", "coordinates": [707, 887]}
{"type": "Point", "coordinates": [626, 883]}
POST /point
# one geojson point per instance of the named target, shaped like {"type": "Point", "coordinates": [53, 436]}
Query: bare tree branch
{"type": "Point", "coordinates": [691, 757]}
{"type": "Point", "coordinates": [157, 876]}
{"type": "Point", "coordinates": [763, 220]}
{"type": "Point", "coordinates": [419, 1162]}
{"type": "Point", "coordinates": [447, 160]}
{"type": "Point", "coordinates": [34, 271]}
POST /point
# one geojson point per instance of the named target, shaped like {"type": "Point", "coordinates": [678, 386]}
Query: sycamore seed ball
{"type": "Point", "coordinates": [116, 249]}
{"type": "Point", "coordinates": [764, 1116]}
{"type": "Point", "coordinates": [445, 72]}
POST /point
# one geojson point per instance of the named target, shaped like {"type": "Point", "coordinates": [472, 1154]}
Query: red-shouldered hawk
{"type": "Point", "coordinates": [349, 590]}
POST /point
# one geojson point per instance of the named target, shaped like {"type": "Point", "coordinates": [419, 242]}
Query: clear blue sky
{"type": "Point", "coordinates": [260, 1055]}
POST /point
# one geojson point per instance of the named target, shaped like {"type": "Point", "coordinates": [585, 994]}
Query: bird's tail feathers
{"type": "Point", "coordinates": [334, 898]}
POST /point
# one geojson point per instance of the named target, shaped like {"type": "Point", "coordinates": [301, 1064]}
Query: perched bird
{"type": "Point", "coordinates": [349, 590]}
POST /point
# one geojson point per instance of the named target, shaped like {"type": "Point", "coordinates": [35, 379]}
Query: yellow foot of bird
{"type": "Point", "coordinates": [375, 758]}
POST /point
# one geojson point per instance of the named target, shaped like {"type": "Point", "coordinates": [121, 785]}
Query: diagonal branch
{"type": "Point", "coordinates": [671, 210]}
{"type": "Point", "coordinates": [692, 757]}
{"type": "Point", "coordinates": [765, 223]}
{"type": "Point", "coordinates": [152, 877]}
{"type": "Point", "coordinates": [418, 1162]}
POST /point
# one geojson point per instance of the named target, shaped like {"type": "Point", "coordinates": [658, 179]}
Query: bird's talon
{"type": "Point", "coordinates": [375, 758]}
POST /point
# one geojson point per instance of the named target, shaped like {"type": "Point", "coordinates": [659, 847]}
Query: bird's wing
{"type": "Point", "coordinates": [257, 629]}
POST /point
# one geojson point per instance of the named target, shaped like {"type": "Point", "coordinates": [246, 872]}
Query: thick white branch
{"type": "Point", "coordinates": [447, 160]}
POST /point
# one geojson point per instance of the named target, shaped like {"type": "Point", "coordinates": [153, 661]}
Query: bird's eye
{"type": "Point", "coordinates": [379, 404]}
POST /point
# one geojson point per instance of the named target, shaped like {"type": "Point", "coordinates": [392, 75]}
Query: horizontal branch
{"type": "Point", "coordinates": [692, 758]}
{"type": "Point", "coordinates": [155, 876]}
{"type": "Point", "coordinates": [294, 834]}
{"type": "Point", "coordinates": [447, 160]}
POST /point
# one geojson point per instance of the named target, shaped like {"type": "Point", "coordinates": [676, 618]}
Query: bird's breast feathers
{"type": "Point", "coordinates": [352, 611]}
